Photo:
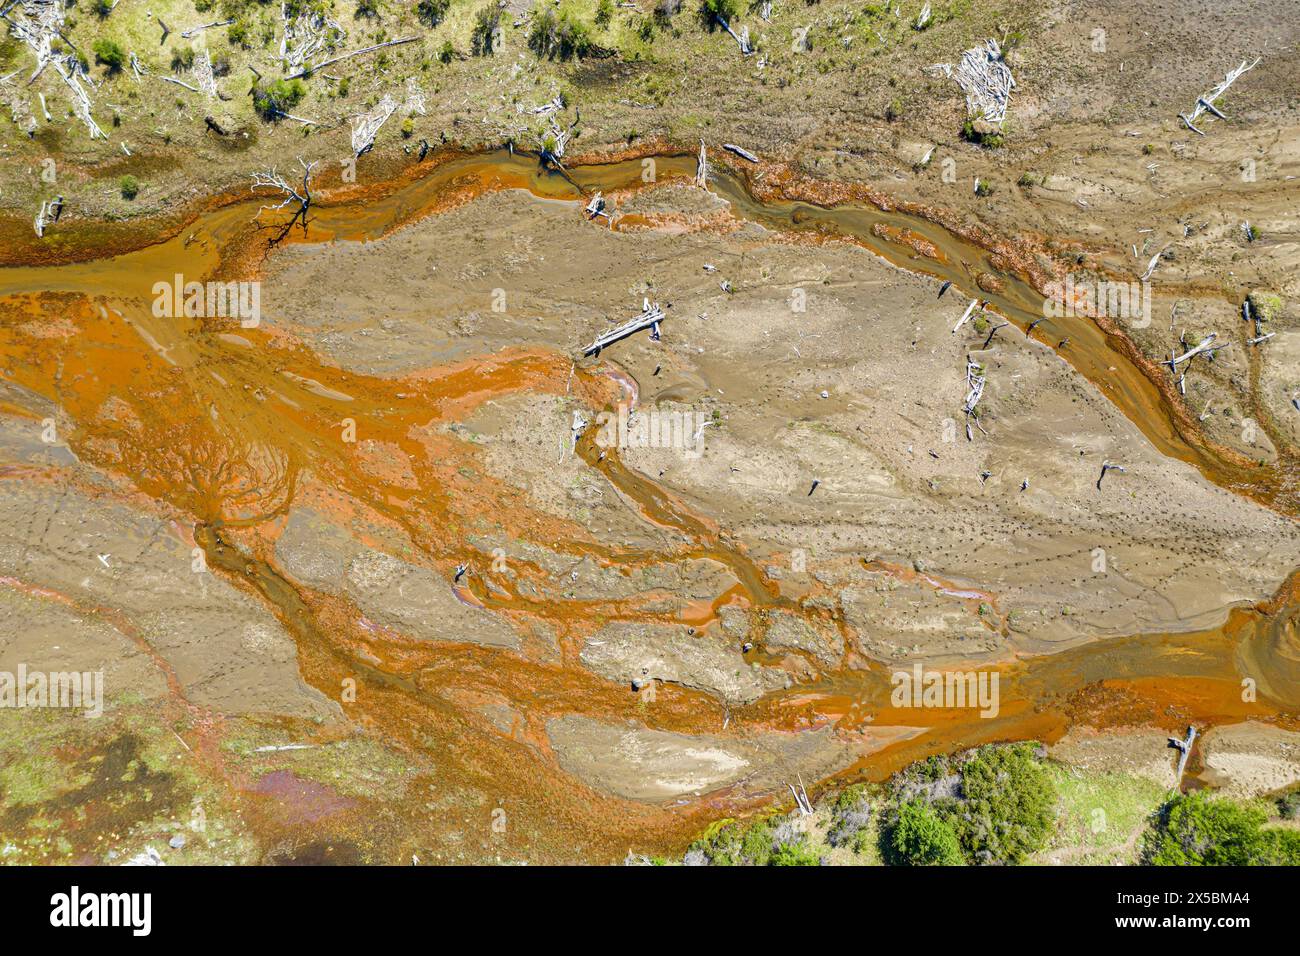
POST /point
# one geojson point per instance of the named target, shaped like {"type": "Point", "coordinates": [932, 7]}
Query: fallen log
{"type": "Point", "coordinates": [740, 151]}
{"type": "Point", "coordinates": [966, 315]}
{"type": "Point", "coordinates": [370, 49]}
{"type": "Point", "coordinates": [650, 317]}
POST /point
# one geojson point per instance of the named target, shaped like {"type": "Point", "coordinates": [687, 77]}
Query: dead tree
{"type": "Point", "coordinates": [650, 317]}
{"type": "Point", "coordinates": [366, 125]}
{"type": "Point", "coordinates": [296, 197]}
{"type": "Point", "coordinates": [596, 208]}
{"type": "Point", "coordinates": [740, 151]}
{"type": "Point", "coordinates": [1106, 466]}
{"type": "Point", "coordinates": [195, 31]}
{"type": "Point", "coordinates": [970, 309]}
{"type": "Point", "coordinates": [1206, 347]}
{"type": "Point", "coordinates": [306, 71]}
{"type": "Point", "coordinates": [985, 78]}
{"type": "Point", "coordinates": [702, 168]}
{"type": "Point", "coordinates": [552, 144]}
{"type": "Point", "coordinates": [992, 332]}
{"type": "Point", "coordinates": [1184, 748]}
{"type": "Point", "coordinates": [38, 26]}
{"type": "Point", "coordinates": [742, 39]}
{"type": "Point", "coordinates": [49, 213]}
{"type": "Point", "coordinates": [305, 35]}
{"type": "Point", "coordinates": [1205, 104]}
{"type": "Point", "coordinates": [975, 378]}
{"type": "Point", "coordinates": [801, 799]}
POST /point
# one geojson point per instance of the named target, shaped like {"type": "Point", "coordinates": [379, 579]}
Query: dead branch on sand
{"type": "Point", "coordinates": [1205, 103]}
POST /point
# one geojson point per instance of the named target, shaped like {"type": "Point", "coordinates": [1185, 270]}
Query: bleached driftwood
{"type": "Point", "coordinates": [596, 208]}
{"type": "Point", "coordinates": [38, 23]}
{"type": "Point", "coordinates": [172, 79]}
{"type": "Point", "coordinates": [1206, 345]}
{"type": "Point", "coordinates": [306, 35]}
{"type": "Point", "coordinates": [650, 317]}
{"type": "Point", "coordinates": [366, 125]}
{"type": "Point", "coordinates": [975, 379]}
{"type": "Point", "coordinates": [702, 168]}
{"type": "Point", "coordinates": [49, 213]}
{"type": "Point", "coordinates": [1205, 103]}
{"type": "Point", "coordinates": [1184, 748]}
{"type": "Point", "coordinates": [742, 39]}
{"type": "Point", "coordinates": [985, 78]}
{"type": "Point", "coordinates": [740, 151]}
{"type": "Point", "coordinates": [195, 31]}
{"type": "Point", "coordinates": [347, 56]}
{"type": "Point", "coordinates": [546, 109]}
{"type": "Point", "coordinates": [970, 309]}
{"type": "Point", "coordinates": [72, 73]}
{"type": "Point", "coordinates": [1151, 266]}
{"type": "Point", "coordinates": [203, 74]}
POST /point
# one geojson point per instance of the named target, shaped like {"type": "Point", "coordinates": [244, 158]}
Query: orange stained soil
{"type": "Point", "coordinates": [230, 427]}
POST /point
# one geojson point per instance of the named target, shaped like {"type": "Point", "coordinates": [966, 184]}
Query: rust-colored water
{"type": "Point", "coordinates": [231, 426]}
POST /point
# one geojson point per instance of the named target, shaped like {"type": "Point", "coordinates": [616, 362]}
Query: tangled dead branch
{"type": "Point", "coordinates": [365, 126]}
{"type": "Point", "coordinates": [985, 78]}
{"type": "Point", "coordinates": [297, 197]}
{"type": "Point", "coordinates": [1205, 104]}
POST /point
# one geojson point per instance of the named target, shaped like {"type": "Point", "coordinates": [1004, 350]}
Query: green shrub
{"type": "Point", "coordinates": [182, 58]}
{"type": "Point", "coordinates": [486, 24]}
{"type": "Point", "coordinates": [559, 36]}
{"type": "Point", "coordinates": [850, 819]}
{"type": "Point", "coordinates": [110, 53]}
{"type": "Point", "coordinates": [1199, 830]}
{"type": "Point", "coordinates": [278, 97]}
{"type": "Point", "coordinates": [665, 10]}
{"type": "Point", "coordinates": [920, 837]}
{"type": "Point", "coordinates": [1264, 305]}
{"type": "Point", "coordinates": [714, 12]}
{"type": "Point", "coordinates": [794, 853]}
{"type": "Point", "coordinates": [982, 133]}
{"type": "Point", "coordinates": [130, 187]}
{"type": "Point", "coordinates": [604, 12]}
{"type": "Point", "coordinates": [447, 53]}
{"type": "Point", "coordinates": [1008, 804]}
{"type": "Point", "coordinates": [432, 12]}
